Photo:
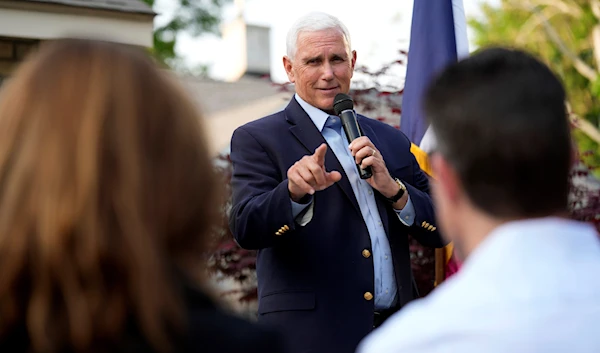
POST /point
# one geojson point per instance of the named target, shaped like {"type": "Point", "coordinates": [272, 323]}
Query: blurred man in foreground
{"type": "Point", "coordinates": [501, 191]}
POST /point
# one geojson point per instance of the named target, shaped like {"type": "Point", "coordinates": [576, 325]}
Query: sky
{"type": "Point", "coordinates": [377, 30]}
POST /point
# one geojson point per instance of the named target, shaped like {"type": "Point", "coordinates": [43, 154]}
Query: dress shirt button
{"type": "Point", "coordinates": [366, 254]}
{"type": "Point", "coordinates": [386, 257]}
{"type": "Point", "coordinates": [370, 192]}
{"type": "Point", "coordinates": [380, 224]}
{"type": "Point", "coordinates": [368, 296]}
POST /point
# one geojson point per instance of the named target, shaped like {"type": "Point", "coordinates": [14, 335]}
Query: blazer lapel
{"type": "Point", "coordinates": [310, 137]}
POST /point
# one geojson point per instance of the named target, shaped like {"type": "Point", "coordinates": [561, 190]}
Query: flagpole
{"type": "Point", "coordinates": [440, 266]}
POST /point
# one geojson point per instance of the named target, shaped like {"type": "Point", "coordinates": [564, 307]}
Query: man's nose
{"type": "Point", "coordinates": [327, 73]}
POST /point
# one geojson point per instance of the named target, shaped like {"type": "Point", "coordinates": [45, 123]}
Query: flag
{"type": "Point", "coordinates": [438, 37]}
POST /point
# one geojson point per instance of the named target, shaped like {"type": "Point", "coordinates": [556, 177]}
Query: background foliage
{"type": "Point", "coordinates": [195, 17]}
{"type": "Point", "coordinates": [565, 34]}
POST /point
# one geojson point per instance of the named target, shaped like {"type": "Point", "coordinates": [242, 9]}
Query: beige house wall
{"type": "Point", "coordinates": [19, 23]}
{"type": "Point", "coordinates": [221, 125]}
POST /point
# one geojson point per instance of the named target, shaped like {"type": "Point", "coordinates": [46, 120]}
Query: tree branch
{"type": "Point", "coordinates": [534, 7]}
{"type": "Point", "coordinates": [581, 67]}
{"type": "Point", "coordinates": [532, 23]}
{"type": "Point", "coordinates": [565, 7]}
{"type": "Point", "coordinates": [596, 45]}
{"type": "Point", "coordinates": [595, 6]}
{"type": "Point", "coordinates": [585, 126]}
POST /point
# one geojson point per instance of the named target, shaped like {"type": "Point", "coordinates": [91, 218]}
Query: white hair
{"type": "Point", "coordinates": [313, 22]}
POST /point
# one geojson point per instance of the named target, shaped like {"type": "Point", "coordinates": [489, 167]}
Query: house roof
{"type": "Point", "coordinates": [228, 105]}
{"type": "Point", "coordinates": [131, 6]}
{"type": "Point", "coordinates": [218, 96]}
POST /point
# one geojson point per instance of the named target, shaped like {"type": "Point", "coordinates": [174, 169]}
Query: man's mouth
{"type": "Point", "coordinates": [328, 89]}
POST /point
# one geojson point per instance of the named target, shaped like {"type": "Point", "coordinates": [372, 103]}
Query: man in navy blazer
{"type": "Point", "coordinates": [333, 258]}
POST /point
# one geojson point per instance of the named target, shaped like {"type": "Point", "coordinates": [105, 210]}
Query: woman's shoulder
{"type": "Point", "coordinates": [215, 329]}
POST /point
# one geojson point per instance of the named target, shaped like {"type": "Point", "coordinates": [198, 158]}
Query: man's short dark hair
{"type": "Point", "coordinates": [500, 120]}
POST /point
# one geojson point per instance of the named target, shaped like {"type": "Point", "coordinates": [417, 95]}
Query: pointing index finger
{"type": "Point", "coordinates": [320, 154]}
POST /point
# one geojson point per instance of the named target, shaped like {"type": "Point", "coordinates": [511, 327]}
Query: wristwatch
{"type": "Point", "coordinates": [400, 193]}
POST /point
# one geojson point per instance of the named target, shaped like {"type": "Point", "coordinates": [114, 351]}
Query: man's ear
{"type": "Point", "coordinates": [353, 62]}
{"type": "Point", "coordinates": [446, 178]}
{"type": "Point", "coordinates": [288, 66]}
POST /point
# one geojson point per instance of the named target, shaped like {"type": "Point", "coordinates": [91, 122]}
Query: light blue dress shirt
{"type": "Point", "coordinates": [385, 282]}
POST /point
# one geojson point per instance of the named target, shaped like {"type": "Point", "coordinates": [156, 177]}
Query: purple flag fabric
{"type": "Point", "coordinates": [432, 47]}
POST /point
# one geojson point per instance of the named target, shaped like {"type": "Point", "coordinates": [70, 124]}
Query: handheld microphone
{"type": "Point", "coordinates": [343, 105]}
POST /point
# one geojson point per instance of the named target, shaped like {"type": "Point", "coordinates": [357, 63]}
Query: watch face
{"type": "Point", "coordinates": [401, 184]}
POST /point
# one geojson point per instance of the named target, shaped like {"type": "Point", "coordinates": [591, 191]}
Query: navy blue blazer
{"type": "Point", "coordinates": [315, 281]}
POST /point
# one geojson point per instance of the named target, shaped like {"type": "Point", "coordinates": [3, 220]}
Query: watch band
{"type": "Point", "coordinates": [400, 193]}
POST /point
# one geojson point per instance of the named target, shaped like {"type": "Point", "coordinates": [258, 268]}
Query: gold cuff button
{"type": "Point", "coordinates": [366, 254]}
{"type": "Point", "coordinates": [368, 296]}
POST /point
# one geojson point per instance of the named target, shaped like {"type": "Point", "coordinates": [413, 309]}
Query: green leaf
{"type": "Point", "coordinates": [595, 87]}
{"type": "Point", "coordinates": [196, 17]}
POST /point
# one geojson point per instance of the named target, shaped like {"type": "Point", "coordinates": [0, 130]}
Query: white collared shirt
{"type": "Point", "coordinates": [530, 287]}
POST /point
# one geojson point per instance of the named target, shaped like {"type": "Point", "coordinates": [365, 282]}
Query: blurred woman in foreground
{"type": "Point", "coordinates": [107, 196]}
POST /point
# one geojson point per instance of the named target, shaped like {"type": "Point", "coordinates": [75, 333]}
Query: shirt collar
{"type": "Point", "coordinates": [318, 117]}
{"type": "Point", "coordinates": [507, 241]}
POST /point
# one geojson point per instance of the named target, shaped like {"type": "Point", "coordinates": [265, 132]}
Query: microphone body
{"type": "Point", "coordinates": [344, 108]}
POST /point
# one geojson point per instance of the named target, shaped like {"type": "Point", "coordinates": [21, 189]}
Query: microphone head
{"type": "Point", "coordinates": [342, 102]}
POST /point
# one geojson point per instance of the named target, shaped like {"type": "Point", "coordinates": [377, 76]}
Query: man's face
{"type": "Point", "coordinates": [322, 67]}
